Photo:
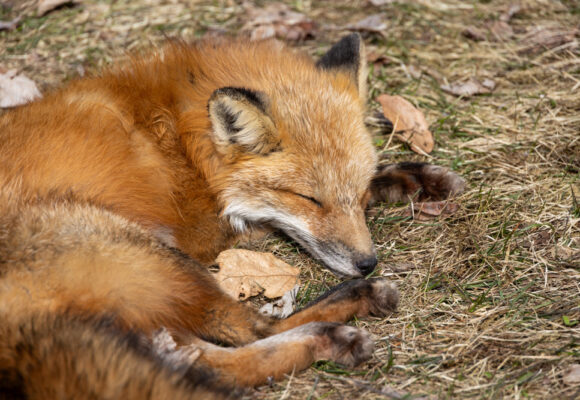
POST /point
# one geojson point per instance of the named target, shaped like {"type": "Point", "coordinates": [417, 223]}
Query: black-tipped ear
{"type": "Point", "coordinates": [348, 56]}
{"type": "Point", "coordinates": [240, 121]}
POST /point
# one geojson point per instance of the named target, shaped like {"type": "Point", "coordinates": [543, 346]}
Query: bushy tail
{"type": "Point", "coordinates": [64, 357]}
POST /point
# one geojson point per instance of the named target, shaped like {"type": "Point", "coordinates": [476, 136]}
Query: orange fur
{"type": "Point", "coordinates": [136, 140]}
{"type": "Point", "coordinates": [111, 188]}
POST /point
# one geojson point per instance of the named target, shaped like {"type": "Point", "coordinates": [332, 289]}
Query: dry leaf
{"type": "Point", "coordinates": [572, 375]}
{"type": "Point", "coordinates": [374, 56]}
{"type": "Point", "coordinates": [474, 33]}
{"type": "Point", "coordinates": [277, 20]}
{"type": "Point", "coordinates": [537, 240]}
{"type": "Point", "coordinates": [470, 87]}
{"type": "Point", "coordinates": [409, 123]}
{"type": "Point", "coordinates": [16, 90]}
{"type": "Point", "coordinates": [512, 10]}
{"type": "Point", "coordinates": [500, 30]}
{"type": "Point", "coordinates": [373, 23]}
{"type": "Point", "coordinates": [45, 6]}
{"type": "Point", "coordinates": [9, 25]}
{"type": "Point", "coordinates": [400, 266]}
{"type": "Point", "coordinates": [429, 210]}
{"type": "Point", "coordinates": [542, 38]}
{"type": "Point", "coordinates": [378, 3]}
{"type": "Point", "coordinates": [487, 143]}
{"type": "Point", "coordinates": [283, 307]}
{"type": "Point", "coordinates": [566, 253]}
{"type": "Point", "coordinates": [417, 72]}
{"type": "Point", "coordinates": [245, 273]}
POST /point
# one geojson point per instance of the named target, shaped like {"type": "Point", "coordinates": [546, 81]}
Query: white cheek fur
{"type": "Point", "coordinates": [239, 214]}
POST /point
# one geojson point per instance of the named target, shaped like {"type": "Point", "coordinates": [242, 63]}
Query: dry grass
{"type": "Point", "coordinates": [491, 296]}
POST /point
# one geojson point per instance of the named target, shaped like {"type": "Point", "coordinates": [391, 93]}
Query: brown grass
{"type": "Point", "coordinates": [491, 296]}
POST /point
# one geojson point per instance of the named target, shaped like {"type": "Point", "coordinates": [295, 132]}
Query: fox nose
{"type": "Point", "coordinates": [366, 265]}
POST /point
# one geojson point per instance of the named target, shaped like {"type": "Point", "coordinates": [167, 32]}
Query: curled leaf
{"type": "Point", "coordinates": [572, 375]}
{"type": "Point", "coordinates": [277, 20]}
{"type": "Point", "coordinates": [543, 38]}
{"type": "Point", "coordinates": [45, 6]}
{"type": "Point", "coordinates": [470, 87]}
{"type": "Point", "coordinates": [428, 210]}
{"type": "Point", "coordinates": [245, 273]}
{"type": "Point", "coordinates": [9, 25]}
{"type": "Point", "coordinates": [409, 123]}
{"type": "Point", "coordinates": [16, 90]}
{"type": "Point", "coordinates": [373, 23]}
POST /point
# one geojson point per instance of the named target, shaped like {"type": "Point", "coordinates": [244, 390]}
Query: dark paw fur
{"type": "Point", "coordinates": [414, 181]}
{"type": "Point", "coordinates": [439, 183]}
{"type": "Point", "coordinates": [384, 297]}
{"type": "Point", "coordinates": [347, 345]}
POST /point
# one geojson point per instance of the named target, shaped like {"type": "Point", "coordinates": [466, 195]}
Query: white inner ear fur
{"type": "Point", "coordinates": [252, 128]}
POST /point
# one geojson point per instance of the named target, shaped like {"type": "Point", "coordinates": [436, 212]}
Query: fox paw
{"type": "Point", "coordinates": [343, 344]}
{"type": "Point", "coordinates": [376, 296]}
{"type": "Point", "coordinates": [384, 297]}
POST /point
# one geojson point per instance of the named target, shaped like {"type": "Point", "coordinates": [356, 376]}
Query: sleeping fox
{"type": "Point", "coordinates": [118, 188]}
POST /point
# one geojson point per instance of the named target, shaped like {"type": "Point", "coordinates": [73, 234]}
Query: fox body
{"type": "Point", "coordinates": [112, 188]}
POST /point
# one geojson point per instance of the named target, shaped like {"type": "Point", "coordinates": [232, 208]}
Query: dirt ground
{"type": "Point", "coordinates": [491, 294]}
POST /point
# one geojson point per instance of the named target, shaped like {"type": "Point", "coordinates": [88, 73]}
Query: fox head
{"type": "Point", "coordinates": [296, 155]}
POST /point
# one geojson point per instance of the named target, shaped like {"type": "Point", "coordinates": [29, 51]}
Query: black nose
{"type": "Point", "coordinates": [367, 265]}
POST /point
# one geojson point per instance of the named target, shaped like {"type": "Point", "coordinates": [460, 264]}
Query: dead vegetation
{"type": "Point", "coordinates": [491, 294]}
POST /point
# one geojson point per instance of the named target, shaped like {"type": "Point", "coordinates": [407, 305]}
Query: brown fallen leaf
{"type": "Point", "coordinates": [495, 30]}
{"type": "Point", "coordinates": [373, 23]}
{"type": "Point", "coordinates": [378, 3]}
{"type": "Point", "coordinates": [500, 30]}
{"type": "Point", "coordinates": [537, 240]}
{"type": "Point", "coordinates": [429, 210]}
{"type": "Point", "coordinates": [277, 20]}
{"type": "Point", "coordinates": [400, 266]}
{"type": "Point", "coordinates": [542, 38]}
{"type": "Point", "coordinates": [417, 72]}
{"type": "Point", "coordinates": [572, 375]}
{"type": "Point", "coordinates": [512, 10]}
{"type": "Point", "coordinates": [409, 123]}
{"type": "Point", "coordinates": [9, 25]}
{"type": "Point", "coordinates": [45, 6]}
{"type": "Point", "coordinates": [245, 273]}
{"type": "Point", "coordinates": [374, 56]}
{"type": "Point", "coordinates": [470, 87]}
{"type": "Point", "coordinates": [474, 33]}
{"type": "Point", "coordinates": [487, 143]}
{"type": "Point", "coordinates": [16, 90]}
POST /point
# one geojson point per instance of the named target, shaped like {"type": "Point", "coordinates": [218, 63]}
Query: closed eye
{"type": "Point", "coordinates": [311, 199]}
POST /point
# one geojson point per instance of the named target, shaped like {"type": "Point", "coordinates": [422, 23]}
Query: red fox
{"type": "Point", "coordinates": [113, 188]}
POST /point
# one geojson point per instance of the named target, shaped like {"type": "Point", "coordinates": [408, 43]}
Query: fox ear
{"type": "Point", "coordinates": [348, 55]}
{"type": "Point", "coordinates": [240, 120]}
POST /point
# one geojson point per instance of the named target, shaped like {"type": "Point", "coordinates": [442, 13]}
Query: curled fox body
{"type": "Point", "coordinates": [116, 189]}
{"type": "Point", "coordinates": [113, 187]}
